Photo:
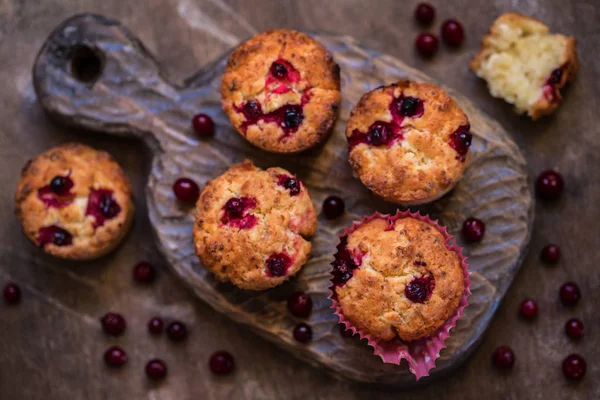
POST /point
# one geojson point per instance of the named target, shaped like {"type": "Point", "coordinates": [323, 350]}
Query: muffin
{"type": "Point", "coordinates": [408, 142]}
{"type": "Point", "coordinates": [251, 226]}
{"type": "Point", "coordinates": [74, 202]}
{"type": "Point", "coordinates": [281, 91]}
{"type": "Point", "coordinates": [396, 277]}
{"type": "Point", "coordinates": [525, 65]}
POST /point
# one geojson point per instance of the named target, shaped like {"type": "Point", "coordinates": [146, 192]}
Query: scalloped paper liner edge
{"type": "Point", "coordinates": [420, 354]}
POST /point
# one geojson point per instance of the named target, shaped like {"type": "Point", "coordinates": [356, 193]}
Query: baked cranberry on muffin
{"type": "Point", "coordinates": [281, 91]}
{"type": "Point", "coordinates": [525, 65]}
{"type": "Point", "coordinates": [396, 278]}
{"type": "Point", "coordinates": [74, 202]}
{"type": "Point", "coordinates": [408, 142]}
{"type": "Point", "coordinates": [252, 224]}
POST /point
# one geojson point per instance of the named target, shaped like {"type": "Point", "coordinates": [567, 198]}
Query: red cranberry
{"type": "Point", "coordinates": [278, 70]}
{"type": "Point", "coordinates": [453, 32]}
{"type": "Point", "coordinates": [503, 357]}
{"type": "Point", "coordinates": [528, 308]}
{"type": "Point", "coordinates": [549, 185]}
{"type": "Point", "coordinates": [411, 106]}
{"type": "Point", "coordinates": [419, 289]}
{"type": "Point", "coordinates": [221, 363]}
{"type": "Point", "coordinates": [574, 367]}
{"type": "Point", "coordinates": [291, 183]}
{"type": "Point", "coordinates": [177, 331]}
{"type": "Point", "coordinates": [278, 264]}
{"type": "Point", "coordinates": [102, 206]}
{"type": "Point", "coordinates": [300, 304]}
{"type": "Point", "coordinates": [303, 333]}
{"type": "Point", "coordinates": [252, 110]}
{"type": "Point", "coordinates": [113, 324]}
{"type": "Point", "coordinates": [155, 326]}
{"type": "Point", "coordinates": [203, 125]}
{"type": "Point", "coordinates": [473, 229]}
{"type": "Point", "coordinates": [550, 254]}
{"type": "Point", "coordinates": [12, 293]}
{"type": "Point", "coordinates": [55, 235]}
{"type": "Point", "coordinates": [156, 369]}
{"type": "Point", "coordinates": [115, 357]}
{"type": "Point", "coordinates": [186, 190]}
{"type": "Point", "coordinates": [292, 116]}
{"type": "Point", "coordinates": [574, 328]}
{"type": "Point", "coordinates": [234, 207]}
{"type": "Point", "coordinates": [61, 185]}
{"type": "Point", "coordinates": [333, 207]}
{"type": "Point", "coordinates": [425, 13]}
{"type": "Point", "coordinates": [144, 272]}
{"type": "Point", "coordinates": [347, 333]}
{"type": "Point", "coordinates": [569, 294]}
{"type": "Point", "coordinates": [427, 44]}
{"type": "Point", "coordinates": [460, 141]}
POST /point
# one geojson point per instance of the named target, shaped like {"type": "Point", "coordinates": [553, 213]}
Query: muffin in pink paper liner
{"type": "Point", "coordinates": [401, 283]}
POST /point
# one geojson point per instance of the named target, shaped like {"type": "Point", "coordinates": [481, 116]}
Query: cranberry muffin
{"type": "Point", "coordinates": [74, 202]}
{"type": "Point", "coordinates": [281, 91]}
{"type": "Point", "coordinates": [251, 226]}
{"type": "Point", "coordinates": [525, 65]}
{"type": "Point", "coordinates": [394, 277]}
{"type": "Point", "coordinates": [408, 142]}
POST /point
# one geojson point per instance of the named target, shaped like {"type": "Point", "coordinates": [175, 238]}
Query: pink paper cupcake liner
{"type": "Point", "coordinates": [420, 354]}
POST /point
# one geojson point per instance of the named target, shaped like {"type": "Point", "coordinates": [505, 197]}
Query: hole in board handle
{"type": "Point", "coordinates": [86, 64]}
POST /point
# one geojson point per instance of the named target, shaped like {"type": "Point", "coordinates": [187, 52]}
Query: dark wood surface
{"type": "Point", "coordinates": [51, 345]}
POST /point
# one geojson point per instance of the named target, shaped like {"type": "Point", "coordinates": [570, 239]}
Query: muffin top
{"type": "Point", "coordinates": [408, 142]}
{"type": "Point", "coordinates": [395, 277]}
{"type": "Point", "coordinates": [251, 226]}
{"type": "Point", "coordinates": [74, 202]}
{"type": "Point", "coordinates": [281, 91]}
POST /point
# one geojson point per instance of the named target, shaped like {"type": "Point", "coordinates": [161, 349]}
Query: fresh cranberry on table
{"type": "Point", "coordinates": [574, 367]}
{"type": "Point", "coordinates": [300, 304]}
{"type": "Point", "coordinates": [221, 363]}
{"type": "Point", "coordinates": [427, 44]}
{"type": "Point", "coordinates": [12, 293]}
{"type": "Point", "coordinates": [203, 125]}
{"type": "Point", "coordinates": [453, 32]}
{"type": "Point", "coordinates": [115, 357]}
{"type": "Point", "coordinates": [177, 331]}
{"type": "Point", "coordinates": [156, 326]}
{"type": "Point", "coordinates": [144, 272]}
{"type": "Point", "coordinates": [425, 13]}
{"type": "Point", "coordinates": [333, 207]}
{"type": "Point", "coordinates": [347, 333]}
{"type": "Point", "coordinates": [569, 294]}
{"type": "Point", "coordinates": [550, 254]}
{"type": "Point", "coordinates": [113, 324]}
{"type": "Point", "coordinates": [574, 328]}
{"type": "Point", "coordinates": [156, 369]}
{"type": "Point", "coordinates": [186, 190]}
{"type": "Point", "coordinates": [549, 185]}
{"type": "Point", "coordinates": [503, 357]}
{"type": "Point", "coordinates": [528, 308]}
{"type": "Point", "coordinates": [473, 229]}
{"type": "Point", "coordinates": [303, 333]}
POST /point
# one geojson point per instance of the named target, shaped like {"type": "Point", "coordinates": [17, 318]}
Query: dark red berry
{"type": "Point", "coordinates": [574, 328]}
{"type": "Point", "coordinates": [203, 125]}
{"type": "Point", "coordinates": [156, 369]}
{"type": "Point", "coordinates": [12, 293]}
{"type": "Point", "coordinates": [427, 44]}
{"type": "Point", "coordinates": [278, 70]}
{"type": "Point", "coordinates": [333, 207]}
{"type": "Point", "coordinates": [549, 185]}
{"type": "Point", "coordinates": [425, 13]}
{"type": "Point", "coordinates": [419, 289]}
{"type": "Point", "coordinates": [143, 272]}
{"type": "Point", "coordinates": [503, 357]}
{"type": "Point", "coordinates": [299, 304]}
{"type": "Point", "coordinates": [234, 207]}
{"type": "Point", "coordinates": [221, 363]}
{"type": "Point", "coordinates": [61, 185]}
{"type": "Point", "coordinates": [569, 293]}
{"type": "Point", "coordinates": [155, 326]}
{"type": "Point", "coordinates": [186, 190]}
{"type": "Point", "coordinates": [115, 357]}
{"type": "Point", "coordinates": [177, 331]}
{"type": "Point", "coordinates": [574, 367]}
{"type": "Point", "coordinates": [347, 333]}
{"type": "Point", "coordinates": [473, 229]}
{"type": "Point", "coordinates": [303, 333]}
{"type": "Point", "coordinates": [113, 324]}
{"type": "Point", "coordinates": [292, 116]}
{"type": "Point", "coordinates": [550, 254]}
{"type": "Point", "coordinates": [528, 308]}
{"type": "Point", "coordinates": [453, 32]}
{"type": "Point", "coordinates": [278, 264]}
{"type": "Point", "coordinates": [252, 110]}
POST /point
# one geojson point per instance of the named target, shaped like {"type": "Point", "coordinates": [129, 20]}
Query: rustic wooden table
{"type": "Point", "coordinates": [51, 345]}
